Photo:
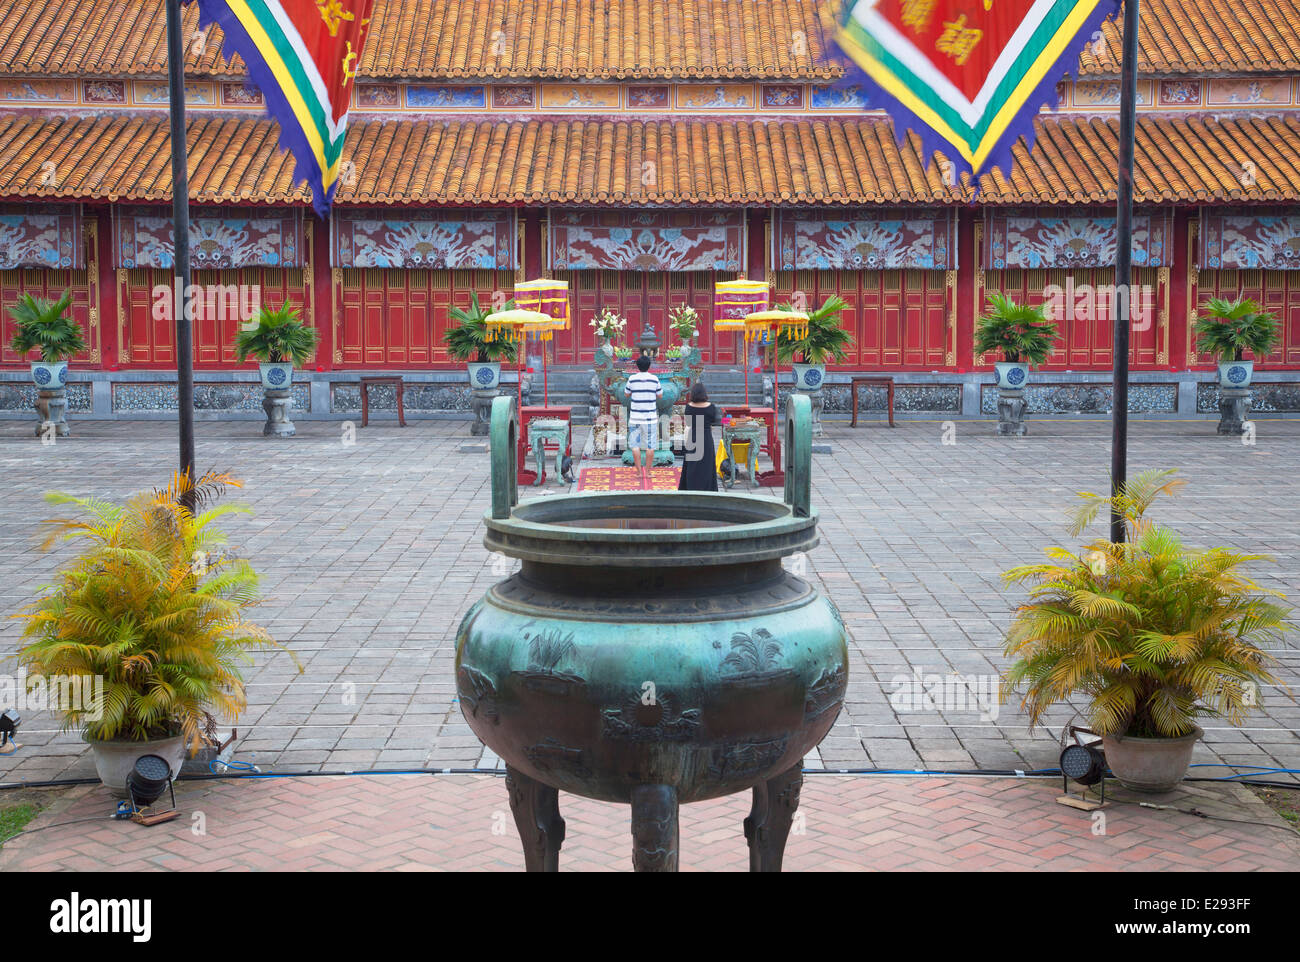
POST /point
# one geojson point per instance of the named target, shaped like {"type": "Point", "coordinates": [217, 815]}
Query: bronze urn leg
{"type": "Point", "coordinates": [536, 808]}
{"type": "Point", "coordinates": [654, 828]}
{"type": "Point", "coordinates": [768, 825]}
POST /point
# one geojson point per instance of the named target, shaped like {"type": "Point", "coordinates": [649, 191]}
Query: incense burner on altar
{"type": "Point", "coordinates": [652, 650]}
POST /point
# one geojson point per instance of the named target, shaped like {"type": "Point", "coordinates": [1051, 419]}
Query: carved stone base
{"type": "Point", "coordinates": [768, 825]}
{"type": "Point", "coordinates": [536, 808]}
{"type": "Point", "coordinates": [1234, 410]}
{"type": "Point", "coordinates": [654, 828]}
{"type": "Point", "coordinates": [1012, 411]}
{"type": "Point", "coordinates": [276, 404]}
{"type": "Point", "coordinates": [481, 404]}
{"type": "Point", "coordinates": [52, 410]}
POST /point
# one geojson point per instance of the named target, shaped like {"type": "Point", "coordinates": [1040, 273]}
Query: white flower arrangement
{"type": "Point", "coordinates": [685, 320]}
{"type": "Point", "coordinates": [609, 323]}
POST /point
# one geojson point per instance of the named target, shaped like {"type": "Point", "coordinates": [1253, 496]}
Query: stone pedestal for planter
{"type": "Point", "coordinates": [1234, 409]}
{"type": "Point", "coordinates": [818, 400]}
{"type": "Point", "coordinates": [1012, 411]}
{"type": "Point", "coordinates": [481, 404]}
{"type": "Point", "coordinates": [276, 404]}
{"type": "Point", "coordinates": [52, 408]}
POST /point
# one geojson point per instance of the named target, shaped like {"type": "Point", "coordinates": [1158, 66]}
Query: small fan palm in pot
{"type": "Point", "coordinates": [1153, 634]}
{"type": "Point", "coordinates": [44, 326]}
{"type": "Point", "coordinates": [1025, 338]}
{"type": "Point", "coordinates": [468, 342]}
{"type": "Point", "coordinates": [824, 341]}
{"type": "Point", "coordinates": [153, 612]}
{"type": "Point", "coordinates": [1228, 330]}
{"type": "Point", "coordinates": [280, 341]}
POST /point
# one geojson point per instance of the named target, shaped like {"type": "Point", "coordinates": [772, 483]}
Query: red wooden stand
{"type": "Point", "coordinates": [774, 478]}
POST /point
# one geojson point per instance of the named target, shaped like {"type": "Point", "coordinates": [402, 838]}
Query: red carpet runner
{"type": "Point", "coordinates": [627, 479]}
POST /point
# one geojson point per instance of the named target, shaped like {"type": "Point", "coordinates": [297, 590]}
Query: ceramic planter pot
{"type": "Point", "coordinates": [809, 377]}
{"type": "Point", "coordinates": [1150, 764]}
{"type": "Point", "coordinates": [1012, 376]}
{"type": "Point", "coordinates": [50, 375]}
{"type": "Point", "coordinates": [115, 758]}
{"type": "Point", "coordinates": [484, 376]}
{"type": "Point", "coordinates": [1236, 373]}
{"type": "Point", "coordinates": [277, 376]}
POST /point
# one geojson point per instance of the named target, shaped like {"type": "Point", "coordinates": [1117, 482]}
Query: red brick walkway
{"type": "Point", "coordinates": [463, 822]}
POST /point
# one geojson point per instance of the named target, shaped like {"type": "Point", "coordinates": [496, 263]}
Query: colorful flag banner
{"type": "Point", "coordinates": [303, 56]}
{"type": "Point", "coordinates": [968, 76]}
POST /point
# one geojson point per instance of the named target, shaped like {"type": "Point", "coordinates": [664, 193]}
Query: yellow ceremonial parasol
{"type": "Point", "coordinates": [795, 323]}
{"type": "Point", "coordinates": [515, 325]}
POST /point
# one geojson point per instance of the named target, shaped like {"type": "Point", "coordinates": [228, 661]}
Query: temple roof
{"type": "Point", "coordinates": [1181, 159]}
{"type": "Point", "coordinates": [608, 39]}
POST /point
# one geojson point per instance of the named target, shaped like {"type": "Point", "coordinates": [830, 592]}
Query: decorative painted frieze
{"type": "Point", "coordinates": [220, 238]}
{"type": "Point", "coordinates": [456, 240]}
{"type": "Point", "coordinates": [864, 239]}
{"type": "Point", "coordinates": [1036, 238]}
{"type": "Point", "coordinates": [647, 240]}
{"type": "Point", "coordinates": [1250, 241]}
{"type": "Point", "coordinates": [41, 235]}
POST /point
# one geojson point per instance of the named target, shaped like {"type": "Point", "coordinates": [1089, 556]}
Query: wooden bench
{"type": "Point", "coordinates": [885, 382]}
{"type": "Point", "coordinates": [393, 382]}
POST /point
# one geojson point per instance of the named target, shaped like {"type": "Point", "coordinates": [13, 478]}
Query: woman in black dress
{"type": "Point", "coordinates": [700, 474]}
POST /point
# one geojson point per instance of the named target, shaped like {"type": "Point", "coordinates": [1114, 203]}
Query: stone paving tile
{"type": "Point", "coordinates": [371, 553]}
{"type": "Point", "coordinates": [462, 823]}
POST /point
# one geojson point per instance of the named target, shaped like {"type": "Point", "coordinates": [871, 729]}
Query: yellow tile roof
{"type": "Point", "coordinates": [607, 39]}
{"type": "Point", "coordinates": [234, 160]}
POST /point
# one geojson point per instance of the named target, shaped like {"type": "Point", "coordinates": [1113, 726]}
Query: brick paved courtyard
{"type": "Point", "coordinates": [462, 823]}
{"type": "Point", "coordinates": [371, 553]}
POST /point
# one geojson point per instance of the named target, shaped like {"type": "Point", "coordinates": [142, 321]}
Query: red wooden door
{"type": "Point", "coordinates": [398, 318]}
{"type": "Point", "coordinates": [1275, 291]}
{"type": "Point", "coordinates": [640, 296]}
{"type": "Point", "coordinates": [1082, 304]}
{"type": "Point", "coordinates": [222, 301]}
{"type": "Point", "coordinates": [50, 285]}
{"type": "Point", "coordinates": [898, 319]}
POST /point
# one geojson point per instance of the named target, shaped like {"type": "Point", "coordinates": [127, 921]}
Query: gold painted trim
{"type": "Point", "coordinates": [769, 272]}
{"type": "Point", "coordinates": [336, 286]}
{"type": "Point", "coordinates": [1162, 342]}
{"type": "Point", "coordinates": [950, 335]}
{"type": "Point", "coordinates": [1193, 282]}
{"type": "Point", "coordinates": [123, 352]}
{"type": "Point", "coordinates": [520, 231]}
{"type": "Point", "coordinates": [93, 293]}
{"type": "Point", "coordinates": [978, 299]}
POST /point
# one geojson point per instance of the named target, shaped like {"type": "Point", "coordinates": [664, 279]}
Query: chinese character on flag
{"type": "Point", "coordinates": [968, 76]}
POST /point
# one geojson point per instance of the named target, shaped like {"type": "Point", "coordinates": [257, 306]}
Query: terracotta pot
{"type": "Point", "coordinates": [1150, 764]}
{"type": "Point", "coordinates": [115, 758]}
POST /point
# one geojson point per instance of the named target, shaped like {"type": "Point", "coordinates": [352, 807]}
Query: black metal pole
{"type": "Point", "coordinates": [1122, 303]}
{"type": "Point", "coordinates": [181, 239]}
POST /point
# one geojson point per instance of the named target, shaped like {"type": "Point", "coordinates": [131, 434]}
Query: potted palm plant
{"type": "Point", "coordinates": [1021, 334]}
{"type": "Point", "coordinates": [1152, 633]}
{"type": "Point", "coordinates": [1228, 329]}
{"type": "Point", "coordinates": [825, 340]}
{"type": "Point", "coordinates": [43, 326]}
{"type": "Point", "coordinates": [1024, 337]}
{"type": "Point", "coordinates": [154, 610]}
{"type": "Point", "coordinates": [280, 341]}
{"type": "Point", "coordinates": [468, 342]}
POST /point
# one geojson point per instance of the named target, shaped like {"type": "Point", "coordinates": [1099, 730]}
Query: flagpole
{"type": "Point", "coordinates": [181, 240]}
{"type": "Point", "coordinates": [1122, 303]}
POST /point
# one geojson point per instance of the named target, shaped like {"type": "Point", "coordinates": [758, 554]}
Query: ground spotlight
{"type": "Point", "coordinates": [149, 780]}
{"type": "Point", "coordinates": [1083, 762]}
{"type": "Point", "coordinates": [9, 722]}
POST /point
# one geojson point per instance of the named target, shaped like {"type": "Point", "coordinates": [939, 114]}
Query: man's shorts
{"type": "Point", "coordinates": [643, 435]}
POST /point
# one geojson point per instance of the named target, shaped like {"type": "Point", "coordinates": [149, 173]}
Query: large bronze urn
{"type": "Point", "coordinates": [652, 650]}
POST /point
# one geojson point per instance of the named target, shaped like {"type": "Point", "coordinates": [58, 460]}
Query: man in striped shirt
{"type": "Point", "coordinates": [643, 393]}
